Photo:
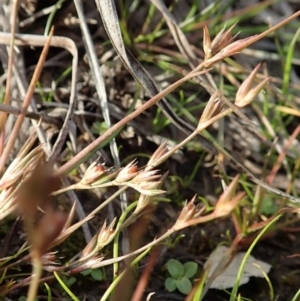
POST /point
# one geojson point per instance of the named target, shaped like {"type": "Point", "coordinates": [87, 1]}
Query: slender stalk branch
{"type": "Point", "coordinates": [35, 280]}
{"type": "Point", "coordinates": [28, 97]}
{"type": "Point", "coordinates": [109, 134]}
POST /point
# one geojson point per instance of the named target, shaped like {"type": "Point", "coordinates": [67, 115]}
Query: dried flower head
{"type": "Point", "coordinates": [144, 200]}
{"type": "Point", "coordinates": [127, 173]}
{"type": "Point", "coordinates": [49, 261]}
{"type": "Point", "coordinates": [222, 39]}
{"type": "Point", "coordinates": [145, 182]}
{"type": "Point", "coordinates": [93, 173]}
{"type": "Point", "coordinates": [213, 107]}
{"type": "Point", "coordinates": [245, 93]}
{"type": "Point", "coordinates": [228, 201]}
{"type": "Point", "coordinates": [89, 249]}
{"type": "Point", "coordinates": [145, 176]}
{"type": "Point", "coordinates": [159, 153]}
{"type": "Point", "coordinates": [106, 235]}
{"type": "Point", "coordinates": [91, 263]}
{"type": "Point", "coordinates": [188, 212]}
{"type": "Point", "coordinates": [100, 240]}
{"type": "Point", "coordinates": [231, 49]}
{"type": "Point", "coordinates": [22, 162]}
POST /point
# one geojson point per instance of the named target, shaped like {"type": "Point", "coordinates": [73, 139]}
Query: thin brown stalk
{"type": "Point", "coordinates": [3, 115]}
{"type": "Point", "coordinates": [175, 228]}
{"type": "Point", "coordinates": [80, 157]}
{"type": "Point", "coordinates": [239, 45]}
{"type": "Point", "coordinates": [282, 155]}
{"type": "Point", "coordinates": [32, 115]}
{"type": "Point", "coordinates": [26, 103]}
{"type": "Point", "coordinates": [197, 131]}
{"type": "Point", "coordinates": [143, 281]}
{"type": "Point", "coordinates": [211, 90]}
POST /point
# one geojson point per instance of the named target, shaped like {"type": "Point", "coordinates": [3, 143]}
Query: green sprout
{"type": "Point", "coordinates": [180, 276]}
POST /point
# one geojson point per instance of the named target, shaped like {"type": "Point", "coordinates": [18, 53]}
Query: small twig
{"type": "Point", "coordinates": [32, 115]}
{"type": "Point", "coordinates": [33, 17]}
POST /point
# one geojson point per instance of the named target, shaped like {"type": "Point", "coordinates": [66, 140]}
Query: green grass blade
{"type": "Point", "coordinates": [48, 291]}
{"type": "Point", "coordinates": [63, 285]}
{"type": "Point", "coordinates": [234, 292]}
{"type": "Point", "coordinates": [51, 16]}
{"type": "Point", "coordinates": [296, 297]}
{"type": "Point", "coordinates": [119, 278]}
{"type": "Point", "coordinates": [288, 64]}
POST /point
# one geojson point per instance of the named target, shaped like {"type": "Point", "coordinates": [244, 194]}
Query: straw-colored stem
{"type": "Point", "coordinates": [36, 275]}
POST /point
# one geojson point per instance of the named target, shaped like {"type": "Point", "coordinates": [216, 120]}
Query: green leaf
{"type": "Point", "coordinates": [49, 292]}
{"type": "Point", "coordinates": [99, 127]}
{"type": "Point", "coordinates": [268, 206]}
{"type": "Point", "coordinates": [86, 272]}
{"type": "Point", "coordinates": [170, 284]}
{"type": "Point", "coordinates": [69, 281]}
{"type": "Point", "coordinates": [190, 269]}
{"type": "Point", "coordinates": [97, 274]}
{"type": "Point", "coordinates": [175, 268]}
{"type": "Point", "coordinates": [184, 285]}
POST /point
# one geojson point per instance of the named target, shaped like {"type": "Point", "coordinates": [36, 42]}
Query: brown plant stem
{"type": "Point", "coordinates": [28, 97]}
{"type": "Point", "coordinates": [3, 115]}
{"type": "Point", "coordinates": [109, 134]}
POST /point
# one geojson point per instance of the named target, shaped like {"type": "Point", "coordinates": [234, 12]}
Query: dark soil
{"type": "Point", "coordinates": [198, 241]}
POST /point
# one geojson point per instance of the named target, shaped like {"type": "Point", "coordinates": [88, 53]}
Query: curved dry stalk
{"type": "Point", "coordinates": [20, 118]}
{"type": "Point", "coordinates": [56, 41]}
{"type": "Point", "coordinates": [32, 115]}
{"type": "Point", "coordinates": [69, 45]}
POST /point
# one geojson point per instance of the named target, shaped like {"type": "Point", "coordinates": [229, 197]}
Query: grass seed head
{"type": "Point", "coordinates": [231, 49]}
{"type": "Point", "coordinates": [94, 172]}
{"type": "Point", "coordinates": [144, 199]}
{"type": "Point", "coordinates": [106, 235]}
{"type": "Point", "coordinates": [222, 39]}
{"type": "Point", "coordinates": [213, 107]}
{"type": "Point", "coordinates": [228, 201]}
{"type": "Point", "coordinates": [245, 93]}
{"type": "Point", "coordinates": [188, 211]}
{"type": "Point", "coordinates": [127, 173]}
{"type": "Point", "coordinates": [92, 263]}
{"type": "Point", "coordinates": [160, 152]}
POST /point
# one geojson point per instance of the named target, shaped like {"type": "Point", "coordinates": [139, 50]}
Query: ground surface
{"type": "Point", "coordinates": [193, 170]}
